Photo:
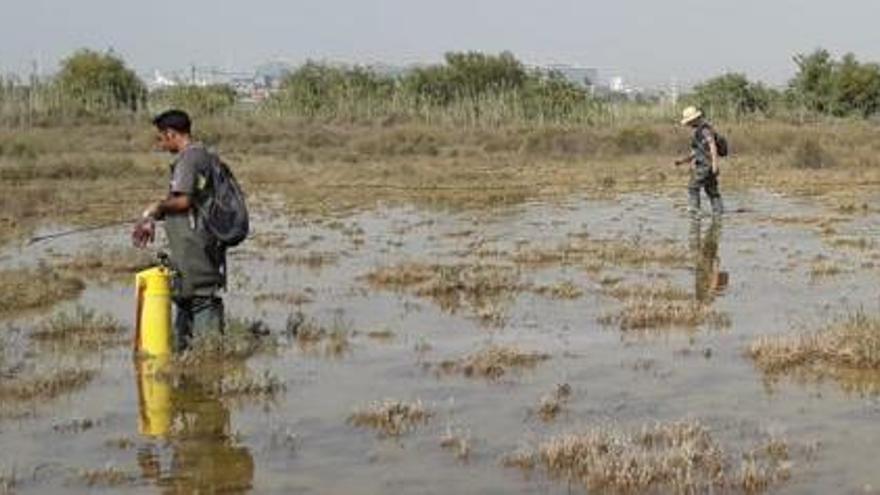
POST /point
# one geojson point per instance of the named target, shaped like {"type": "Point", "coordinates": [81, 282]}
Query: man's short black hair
{"type": "Point", "coordinates": [176, 120]}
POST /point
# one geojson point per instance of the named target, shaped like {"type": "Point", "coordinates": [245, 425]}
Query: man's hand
{"type": "Point", "coordinates": [152, 212]}
{"type": "Point", "coordinates": [144, 233]}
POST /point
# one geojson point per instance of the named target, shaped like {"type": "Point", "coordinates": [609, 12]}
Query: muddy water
{"type": "Point", "coordinates": [301, 443]}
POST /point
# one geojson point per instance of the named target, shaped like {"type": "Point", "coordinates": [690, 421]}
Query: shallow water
{"type": "Point", "coordinates": [302, 442]}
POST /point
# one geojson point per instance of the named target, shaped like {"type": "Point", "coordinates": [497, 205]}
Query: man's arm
{"type": "Point", "coordinates": [713, 149]}
{"type": "Point", "coordinates": [686, 159]}
{"type": "Point", "coordinates": [174, 203]}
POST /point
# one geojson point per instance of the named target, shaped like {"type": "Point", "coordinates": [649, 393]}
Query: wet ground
{"type": "Point", "coordinates": [148, 437]}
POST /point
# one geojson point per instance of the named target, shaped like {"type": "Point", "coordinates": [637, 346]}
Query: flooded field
{"type": "Point", "coordinates": [553, 346]}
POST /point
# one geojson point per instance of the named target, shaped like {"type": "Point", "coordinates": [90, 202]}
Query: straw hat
{"type": "Point", "coordinates": [689, 115]}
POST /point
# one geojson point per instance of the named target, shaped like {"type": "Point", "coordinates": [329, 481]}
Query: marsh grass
{"type": "Point", "coordinates": [391, 418]}
{"type": "Point", "coordinates": [313, 260]}
{"type": "Point", "coordinates": [250, 386]}
{"type": "Point", "coordinates": [648, 314]}
{"type": "Point", "coordinates": [321, 167]}
{"type": "Point", "coordinates": [37, 288]}
{"type": "Point", "coordinates": [218, 363]}
{"type": "Point", "coordinates": [458, 441]}
{"type": "Point", "coordinates": [854, 243]}
{"type": "Point", "coordinates": [680, 457]}
{"type": "Point", "coordinates": [310, 335]}
{"type": "Point", "coordinates": [562, 290]}
{"type": "Point", "coordinates": [551, 405]}
{"type": "Point", "coordinates": [9, 480]}
{"type": "Point", "coordinates": [591, 253]}
{"type": "Point", "coordinates": [849, 345]}
{"type": "Point", "coordinates": [481, 288]}
{"type": "Point", "coordinates": [109, 265]}
{"type": "Point", "coordinates": [494, 362]}
{"type": "Point", "coordinates": [107, 477]}
{"type": "Point", "coordinates": [824, 269]}
{"type": "Point", "coordinates": [658, 292]}
{"type": "Point", "coordinates": [45, 385]}
{"type": "Point", "coordinates": [290, 299]}
{"type": "Point", "coordinates": [81, 329]}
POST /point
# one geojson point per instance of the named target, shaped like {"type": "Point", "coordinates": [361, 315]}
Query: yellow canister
{"type": "Point", "coordinates": [153, 319]}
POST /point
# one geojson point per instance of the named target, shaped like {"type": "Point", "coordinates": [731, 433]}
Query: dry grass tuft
{"type": "Point", "coordinates": [8, 481]}
{"type": "Point", "coordinates": [391, 418]}
{"type": "Point", "coordinates": [646, 314]}
{"type": "Point", "coordinates": [680, 457]}
{"type": "Point", "coordinates": [592, 253]}
{"type": "Point", "coordinates": [494, 362]}
{"type": "Point", "coordinates": [824, 269]}
{"type": "Point", "coordinates": [109, 265]}
{"type": "Point", "coordinates": [563, 290]}
{"type": "Point", "coordinates": [309, 334]}
{"type": "Point", "coordinates": [35, 288]}
{"type": "Point", "coordinates": [552, 404]}
{"type": "Point", "coordinates": [657, 292]}
{"type": "Point", "coordinates": [291, 299]}
{"type": "Point", "coordinates": [381, 335]}
{"type": "Point", "coordinates": [852, 344]}
{"type": "Point", "coordinates": [106, 477]}
{"type": "Point", "coordinates": [458, 442]}
{"type": "Point", "coordinates": [313, 260]}
{"type": "Point", "coordinates": [83, 329]}
{"type": "Point", "coordinates": [45, 386]}
{"type": "Point", "coordinates": [264, 386]}
{"type": "Point", "coordinates": [479, 287]}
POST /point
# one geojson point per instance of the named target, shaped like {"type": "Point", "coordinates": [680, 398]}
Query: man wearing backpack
{"type": "Point", "coordinates": [197, 259]}
{"type": "Point", "coordinates": [704, 160]}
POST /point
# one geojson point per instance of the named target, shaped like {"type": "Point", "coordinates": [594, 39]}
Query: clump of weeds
{"type": "Point", "coordinates": [647, 314]}
{"type": "Point", "coordinates": [659, 292]}
{"type": "Point", "coordinates": [391, 418]}
{"type": "Point", "coordinates": [457, 441]}
{"type": "Point", "coordinates": [849, 345]}
{"type": "Point", "coordinates": [82, 329]}
{"type": "Point", "coordinates": [109, 265]}
{"type": "Point", "coordinates": [680, 457]}
{"type": "Point", "coordinates": [494, 362]}
{"type": "Point", "coordinates": [824, 269]}
{"type": "Point", "coordinates": [309, 335]}
{"type": "Point", "coordinates": [105, 477]}
{"type": "Point", "coordinates": [562, 290]}
{"type": "Point", "coordinates": [313, 260]}
{"type": "Point", "coordinates": [8, 481]}
{"type": "Point", "coordinates": [37, 288]}
{"type": "Point", "coordinates": [45, 385]}
{"type": "Point", "coordinates": [479, 287]}
{"type": "Point", "coordinates": [249, 386]}
{"type": "Point", "coordinates": [594, 253]}
{"type": "Point", "coordinates": [551, 405]}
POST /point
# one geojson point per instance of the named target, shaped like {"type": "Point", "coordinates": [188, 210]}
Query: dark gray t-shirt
{"type": "Point", "coordinates": [197, 262]}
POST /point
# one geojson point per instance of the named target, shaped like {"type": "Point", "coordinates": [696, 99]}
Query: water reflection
{"type": "Point", "coordinates": [709, 280]}
{"type": "Point", "coordinates": [199, 454]}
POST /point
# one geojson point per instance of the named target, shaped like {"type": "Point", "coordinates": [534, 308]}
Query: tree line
{"type": "Point", "coordinates": [470, 85]}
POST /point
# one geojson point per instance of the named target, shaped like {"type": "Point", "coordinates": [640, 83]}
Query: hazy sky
{"type": "Point", "coordinates": [648, 41]}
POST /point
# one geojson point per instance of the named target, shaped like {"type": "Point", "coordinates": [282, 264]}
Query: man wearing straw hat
{"type": "Point", "coordinates": [704, 160]}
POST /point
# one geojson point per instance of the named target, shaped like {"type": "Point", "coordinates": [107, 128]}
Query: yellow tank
{"type": "Point", "coordinates": [153, 320]}
{"type": "Point", "coordinates": [154, 399]}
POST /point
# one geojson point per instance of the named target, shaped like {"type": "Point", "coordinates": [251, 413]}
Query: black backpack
{"type": "Point", "coordinates": [223, 211]}
{"type": "Point", "coordinates": [721, 145]}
